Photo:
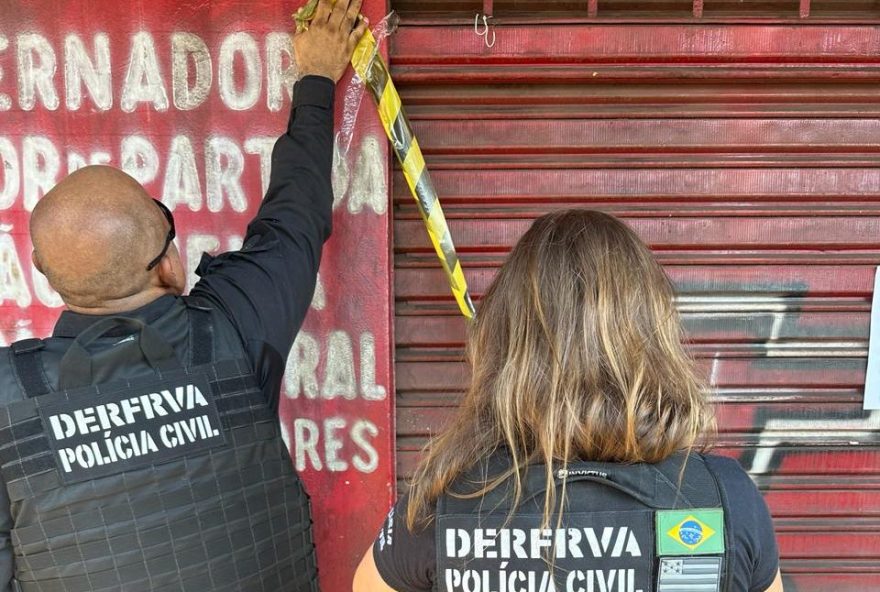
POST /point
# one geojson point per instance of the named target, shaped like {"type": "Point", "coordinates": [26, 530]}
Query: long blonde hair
{"type": "Point", "coordinates": [576, 354]}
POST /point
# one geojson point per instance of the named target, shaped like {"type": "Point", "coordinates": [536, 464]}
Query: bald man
{"type": "Point", "coordinates": [139, 444]}
{"type": "Point", "coordinates": [91, 234]}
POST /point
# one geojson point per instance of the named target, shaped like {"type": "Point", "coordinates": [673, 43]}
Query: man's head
{"type": "Point", "coordinates": [94, 235]}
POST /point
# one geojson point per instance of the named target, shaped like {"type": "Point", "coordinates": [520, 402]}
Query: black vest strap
{"type": "Point", "coordinates": [75, 368]}
{"type": "Point", "coordinates": [28, 364]}
{"type": "Point", "coordinates": [727, 582]}
{"type": "Point", "coordinates": [26, 355]}
{"type": "Point", "coordinates": [678, 482]}
{"type": "Point", "coordinates": [201, 335]}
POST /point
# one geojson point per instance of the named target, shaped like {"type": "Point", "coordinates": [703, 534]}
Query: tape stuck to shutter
{"type": "Point", "coordinates": [370, 66]}
{"type": "Point", "coordinates": [372, 69]}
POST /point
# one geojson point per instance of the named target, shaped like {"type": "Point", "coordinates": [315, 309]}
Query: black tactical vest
{"type": "Point", "coordinates": [624, 528]}
{"type": "Point", "coordinates": [177, 481]}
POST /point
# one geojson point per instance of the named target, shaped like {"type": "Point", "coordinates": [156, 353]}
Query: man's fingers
{"type": "Point", "coordinates": [322, 13]}
{"type": "Point", "coordinates": [337, 15]}
{"type": "Point", "coordinates": [357, 33]}
{"type": "Point", "coordinates": [354, 9]}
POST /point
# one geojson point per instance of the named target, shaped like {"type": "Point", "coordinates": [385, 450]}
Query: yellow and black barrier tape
{"type": "Point", "coordinates": [372, 69]}
{"type": "Point", "coordinates": [370, 66]}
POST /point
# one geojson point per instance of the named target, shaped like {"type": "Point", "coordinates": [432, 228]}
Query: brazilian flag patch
{"type": "Point", "coordinates": [690, 532]}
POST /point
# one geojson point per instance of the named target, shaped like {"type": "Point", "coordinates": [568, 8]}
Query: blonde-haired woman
{"type": "Point", "coordinates": [576, 459]}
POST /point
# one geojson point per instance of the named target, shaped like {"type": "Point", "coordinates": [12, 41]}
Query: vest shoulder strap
{"type": "Point", "coordinates": [727, 581]}
{"type": "Point", "coordinates": [681, 481]}
{"type": "Point", "coordinates": [27, 362]}
{"type": "Point", "coordinates": [201, 334]}
{"type": "Point", "coordinates": [689, 481]}
{"type": "Point", "coordinates": [27, 354]}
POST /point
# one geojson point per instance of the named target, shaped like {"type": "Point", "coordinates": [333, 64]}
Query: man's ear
{"type": "Point", "coordinates": [170, 271]}
{"type": "Point", "coordinates": [35, 259]}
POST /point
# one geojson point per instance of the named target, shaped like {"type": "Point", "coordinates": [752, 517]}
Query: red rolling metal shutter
{"type": "Point", "coordinates": [744, 147]}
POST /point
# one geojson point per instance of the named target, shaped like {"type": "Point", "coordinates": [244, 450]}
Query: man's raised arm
{"type": "Point", "coordinates": [266, 288]}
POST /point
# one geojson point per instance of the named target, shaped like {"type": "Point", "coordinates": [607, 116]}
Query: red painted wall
{"type": "Point", "coordinates": [189, 97]}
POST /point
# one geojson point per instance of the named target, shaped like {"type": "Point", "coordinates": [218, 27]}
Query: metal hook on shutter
{"type": "Point", "coordinates": [486, 30]}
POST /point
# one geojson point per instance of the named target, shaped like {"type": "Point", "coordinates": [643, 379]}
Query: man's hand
{"type": "Point", "coordinates": [325, 48]}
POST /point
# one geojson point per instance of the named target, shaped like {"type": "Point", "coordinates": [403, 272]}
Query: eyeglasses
{"type": "Point", "coordinates": [168, 239]}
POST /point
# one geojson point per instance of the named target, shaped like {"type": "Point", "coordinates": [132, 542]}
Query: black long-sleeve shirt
{"type": "Point", "coordinates": [263, 291]}
{"type": "Point", "coordinates": [266, 288]}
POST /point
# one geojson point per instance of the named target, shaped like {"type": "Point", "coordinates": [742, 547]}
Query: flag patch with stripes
{"type": "Point", "coordinates": [689, 574]}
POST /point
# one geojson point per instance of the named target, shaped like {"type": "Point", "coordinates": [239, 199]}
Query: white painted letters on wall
{"type": "Point", "coordinates": [12, 283]}
{"type": "Point", "coordinates": [339, 380]}
{"type": "Point", "coordinates": [362, 434]}
{"type": "Point", "coordinates": [279, 77]}
{"type": "Point", "coordinates": [40, 167]}
{"type": "Point", "coordinates": [139, 159]}
{"type": "Point", "coordinates": [10, 174]}
{"type": "Point", "coordinates": [305, 444]}
{"type": "Point", "coordinates": [334, 444]}
{"type": "Point", "coordinates": [224, 165]}
{"type": "Point", "coordinates": [244, 46]}
{"type": "Point", "coordinates": [369, 389]}
{"type": "Point", "coordinates": [335, 362]}
{"type": "Point", "coordinates": [5, 101]}
{"type": "Point", "coordinates": [95, 74]}
{"type": "Point", "coordinates": [143, 80]}
{"type": "Point", "coordinates": [369, 187]}
{"type": "Point", "coordinates": [182, 186]}
{"type": "Point", "coordinates": [36, 72]}
{"type": "Point", "coordinates": [301, 374]}
{"type": "Point", "coordinates": [186, 48]}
